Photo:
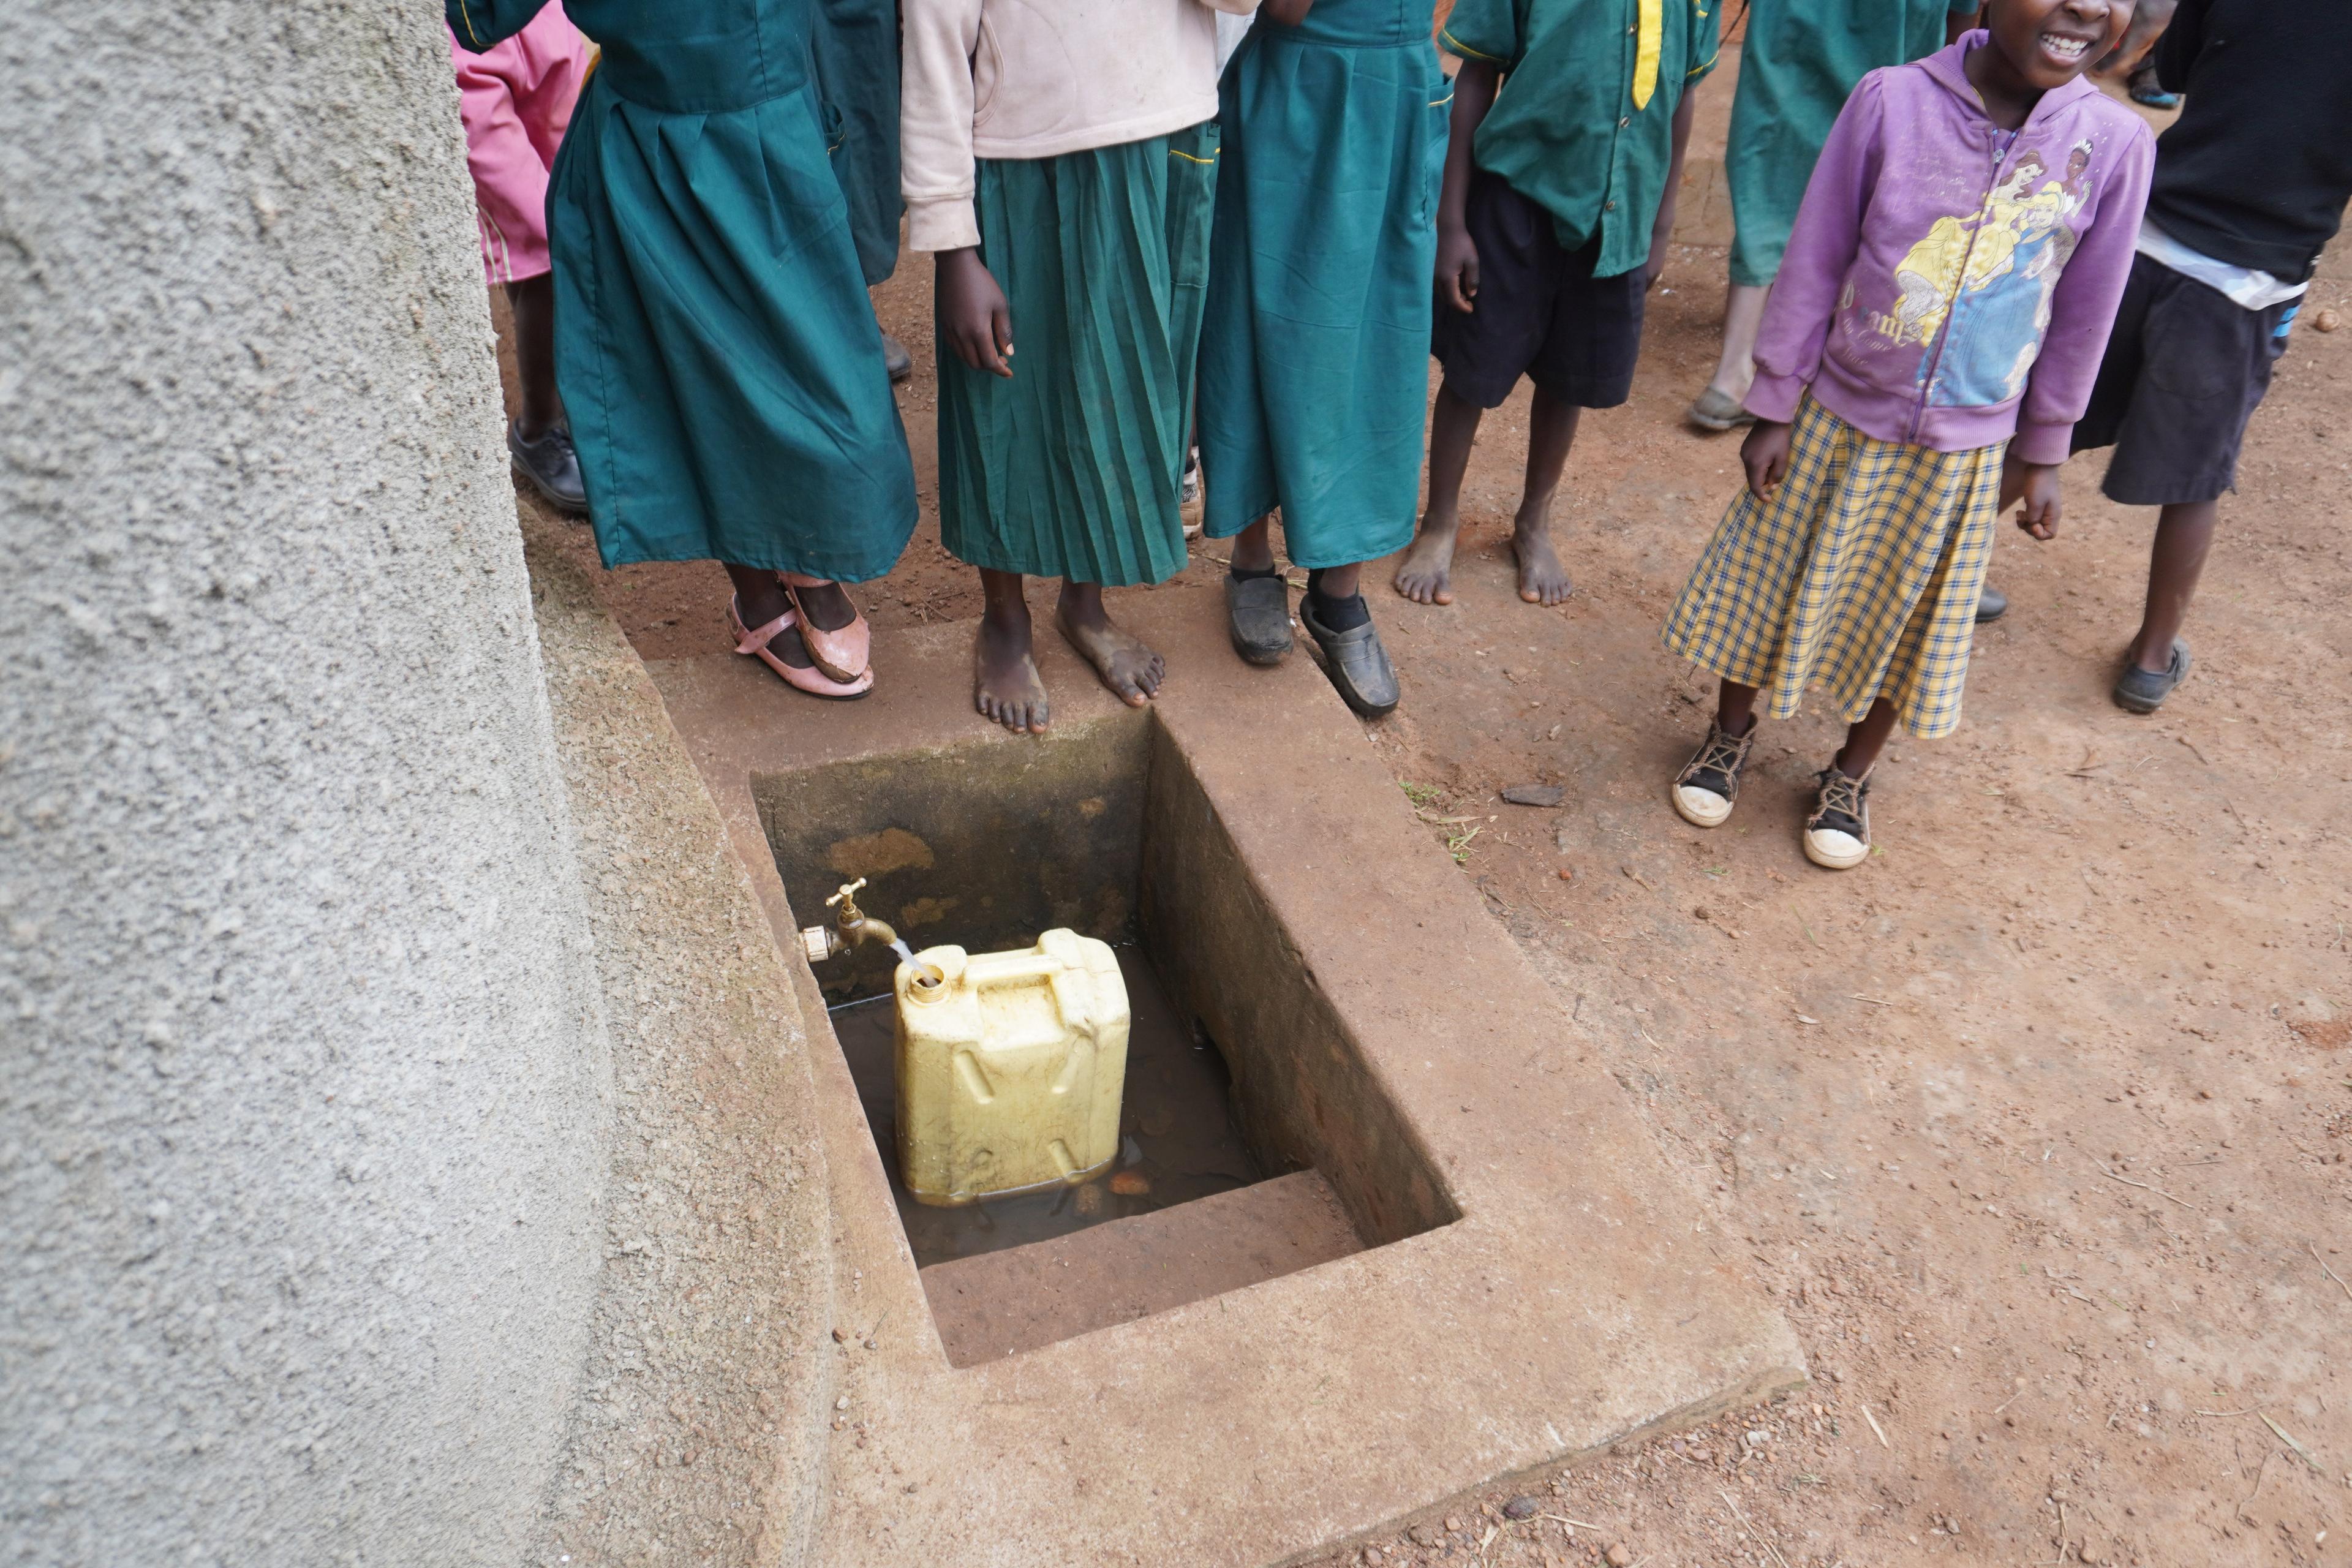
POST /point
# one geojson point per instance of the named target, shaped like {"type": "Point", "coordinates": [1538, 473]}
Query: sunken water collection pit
{"type": "Point", "coordinates": [1381, 1224]}
{"type": "Point", "coordinates": [1219, 1180]}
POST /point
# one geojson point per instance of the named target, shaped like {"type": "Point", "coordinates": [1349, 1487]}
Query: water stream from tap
{"type": "Point", "coordinates": [926, 976]}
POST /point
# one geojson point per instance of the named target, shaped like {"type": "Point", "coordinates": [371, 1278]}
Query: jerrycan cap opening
{"type": "Point", "coordinates": [928, 976]}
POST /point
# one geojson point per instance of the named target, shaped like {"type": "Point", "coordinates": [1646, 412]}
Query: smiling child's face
{"type": "Point", "coordinates": [2051, 42]}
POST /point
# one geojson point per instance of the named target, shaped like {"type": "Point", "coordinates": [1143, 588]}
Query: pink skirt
{"type": "Point", "coordinates": [516, 98]}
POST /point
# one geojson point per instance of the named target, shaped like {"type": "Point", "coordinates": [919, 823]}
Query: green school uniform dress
{"type": "Point", "coordinates": [1070, 468]}
{"type": "Point", "coordinates": [856, 47]}
{"type": "Point", "coordinates": [1802, 60]}
{"type": "Point", "coordinates": [1583, 126]}
{"type": "Point", "coordinates": [718, 357]}
{"type": "Point", "coordinates": [1315, 357]}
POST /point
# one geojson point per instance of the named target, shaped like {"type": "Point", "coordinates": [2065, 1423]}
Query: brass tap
{"type": "Point", "coordinates": [851, 927]}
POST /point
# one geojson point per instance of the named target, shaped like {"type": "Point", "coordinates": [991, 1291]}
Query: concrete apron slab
{"type": "Point", "coordinates": [1578, 1299]}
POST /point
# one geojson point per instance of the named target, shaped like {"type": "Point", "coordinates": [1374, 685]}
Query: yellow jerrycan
{"type": "Point", "coordinates": [1010, 1067]}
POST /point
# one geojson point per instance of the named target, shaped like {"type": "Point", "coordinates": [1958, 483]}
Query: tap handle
{"type": "Point", "coordinates": [847, 899]}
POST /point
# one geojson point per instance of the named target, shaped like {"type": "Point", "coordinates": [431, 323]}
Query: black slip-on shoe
{"type": "Point", "coordinates": [550, 465]}
{"type": "Point", "coordinates": [1258, 613]}
{"type": "Point", "coordinates": [1356, 662]}
{"type": "Point", "coordinates": [1992, 604]}
{"type": "Point", "coordinates": [895, 359]}
{"type": "Point", "coordinates": [2144, 690]}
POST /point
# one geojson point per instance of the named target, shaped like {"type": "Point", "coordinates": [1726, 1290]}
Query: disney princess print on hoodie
{"type": "Point", "coordinates": [1949, 283]}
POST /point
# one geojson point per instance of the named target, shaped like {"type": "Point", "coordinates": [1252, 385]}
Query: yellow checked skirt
{"type": "Point", "coordinates": [1861, 572]}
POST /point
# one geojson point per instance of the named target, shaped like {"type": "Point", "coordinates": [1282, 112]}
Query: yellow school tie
{"type": "Point", "coordinates": [1646, 53]}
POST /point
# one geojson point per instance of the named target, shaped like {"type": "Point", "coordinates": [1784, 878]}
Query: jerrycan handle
{"type": "Point", "coordinates": [1056, 958]}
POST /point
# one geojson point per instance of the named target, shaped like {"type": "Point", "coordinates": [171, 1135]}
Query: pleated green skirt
{"type": "Point", "coordinates": [1071, 468]}
{"type": "Point", "coordinates": [1315, 358]}
{"type": "Point", "coordinates": [714, 344]}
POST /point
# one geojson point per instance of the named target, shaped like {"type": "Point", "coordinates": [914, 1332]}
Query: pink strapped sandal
{"type": "Point", "coordinates": [843, 653]}
{"type": "Point", "coordinates": [759, 644]}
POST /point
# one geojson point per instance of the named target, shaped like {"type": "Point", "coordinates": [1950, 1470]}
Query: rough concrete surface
{"type": "Point", "coordinates": [1579, 1300]}
{"type": "Point", "coordinates": [692, 1435]}
{"type": "Point", "coordinates": [2092, 939]}
{"type": "Point", "coordinates": [305, 1080]}
{"type": "Point", "coordinates": [997, 1304]}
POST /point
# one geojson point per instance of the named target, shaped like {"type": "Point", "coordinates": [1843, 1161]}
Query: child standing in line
{"type": "Point", "coordinates": [717, 351]}
{"type": "Point", "coordinates": [515, 100]}
{"type": "Point", "coordinates": [1797, 67]}
{"type": "Point", "coordinates": [1061, 158]}
{"type": "Point", "coordinates": [1929, 343]}
{"type": "Point", "coordinates": [1569, 121]}
{"type": "Point", "coordinates": [2251, 184]}
{"type": "Point", "coordinates": [1315, 360]}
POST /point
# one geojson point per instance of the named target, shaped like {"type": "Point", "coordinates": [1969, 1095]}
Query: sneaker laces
{"type": "Point", "coordinates": [1839, 809]}
{"type": "Point", "coordinates": [1716, 769]}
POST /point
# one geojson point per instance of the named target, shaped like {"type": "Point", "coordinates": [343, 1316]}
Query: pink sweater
{"type": "Point", "coordinates": [1036, 79]}
{"type": "Point", "coordinates": [1950, 285]}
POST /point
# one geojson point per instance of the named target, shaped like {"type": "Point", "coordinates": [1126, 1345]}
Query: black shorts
{"type": "Point", "coordinates": [2185, 369]}
{"type": "Point", "coordinates": [1541, 312]}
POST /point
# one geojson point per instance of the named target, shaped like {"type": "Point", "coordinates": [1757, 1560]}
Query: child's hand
{"type": "Point", "coordinates": [1765, 455]}
{"type": "Point", "coordinates": [2035, 484]}
{"type": "Point", "coordinates": [973, 313]}
{"type": "Point", "coordinates": [1457, 267]}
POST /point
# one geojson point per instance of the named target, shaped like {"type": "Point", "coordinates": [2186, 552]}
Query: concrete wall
{"type": "Point", "coordinates": [302, 1075]}
{"type": "Point", "coordinates": [703, 1409]}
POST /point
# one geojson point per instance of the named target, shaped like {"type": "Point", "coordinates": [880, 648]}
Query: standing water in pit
{"type": "Point", "coordinates": [1178, 1138]}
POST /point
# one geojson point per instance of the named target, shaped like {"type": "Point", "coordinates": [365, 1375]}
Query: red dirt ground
{"type": "Point", "coordinates": [2037, 1125]}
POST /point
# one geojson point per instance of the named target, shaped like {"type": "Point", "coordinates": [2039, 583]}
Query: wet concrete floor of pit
{"type": "Point", "coordinates": [1178, 1140]}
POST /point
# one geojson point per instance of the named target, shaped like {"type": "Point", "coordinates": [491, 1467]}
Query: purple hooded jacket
{"type": "Point", "coordinates": [1946, 284]}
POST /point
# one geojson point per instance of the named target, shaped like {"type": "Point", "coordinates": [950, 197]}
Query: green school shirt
{"type": "Point", "coordinates": [1583, 126]}
{"type": "Point", "coordinates": [1801, 59]}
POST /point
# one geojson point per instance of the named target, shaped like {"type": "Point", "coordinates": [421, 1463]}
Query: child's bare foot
{"type": "Point", "coordinates": [1005, 686]}
{"type": "Point", "coordinates": [1126, 664]}
{"type": "Point", "coordinates": [1425, 575]}
{"type": "Point", "coordinates": [1542, 579]}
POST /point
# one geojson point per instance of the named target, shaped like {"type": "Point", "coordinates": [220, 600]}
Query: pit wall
{"type": "Point", "coordinates": [691, 1427]}
{"type": "Point", "coordinates": [1109, 833]}
{"type": "Point", "coordinates": [983, 846]}
{"type": "Point", "coordinates": [1303, 1092]}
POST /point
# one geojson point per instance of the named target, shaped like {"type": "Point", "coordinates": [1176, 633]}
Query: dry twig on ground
{"type": "Point", "coordinates": [2326, 1270]}
{"type": "Point", "coordinates": [1874, 1426]}
{"type": "Point", "coordinates": [2143, 1186]}
{"type": "Point", "coordinates": [1753, 1532]}
{"type": "Point", "coordinates": [2300, 1451]}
